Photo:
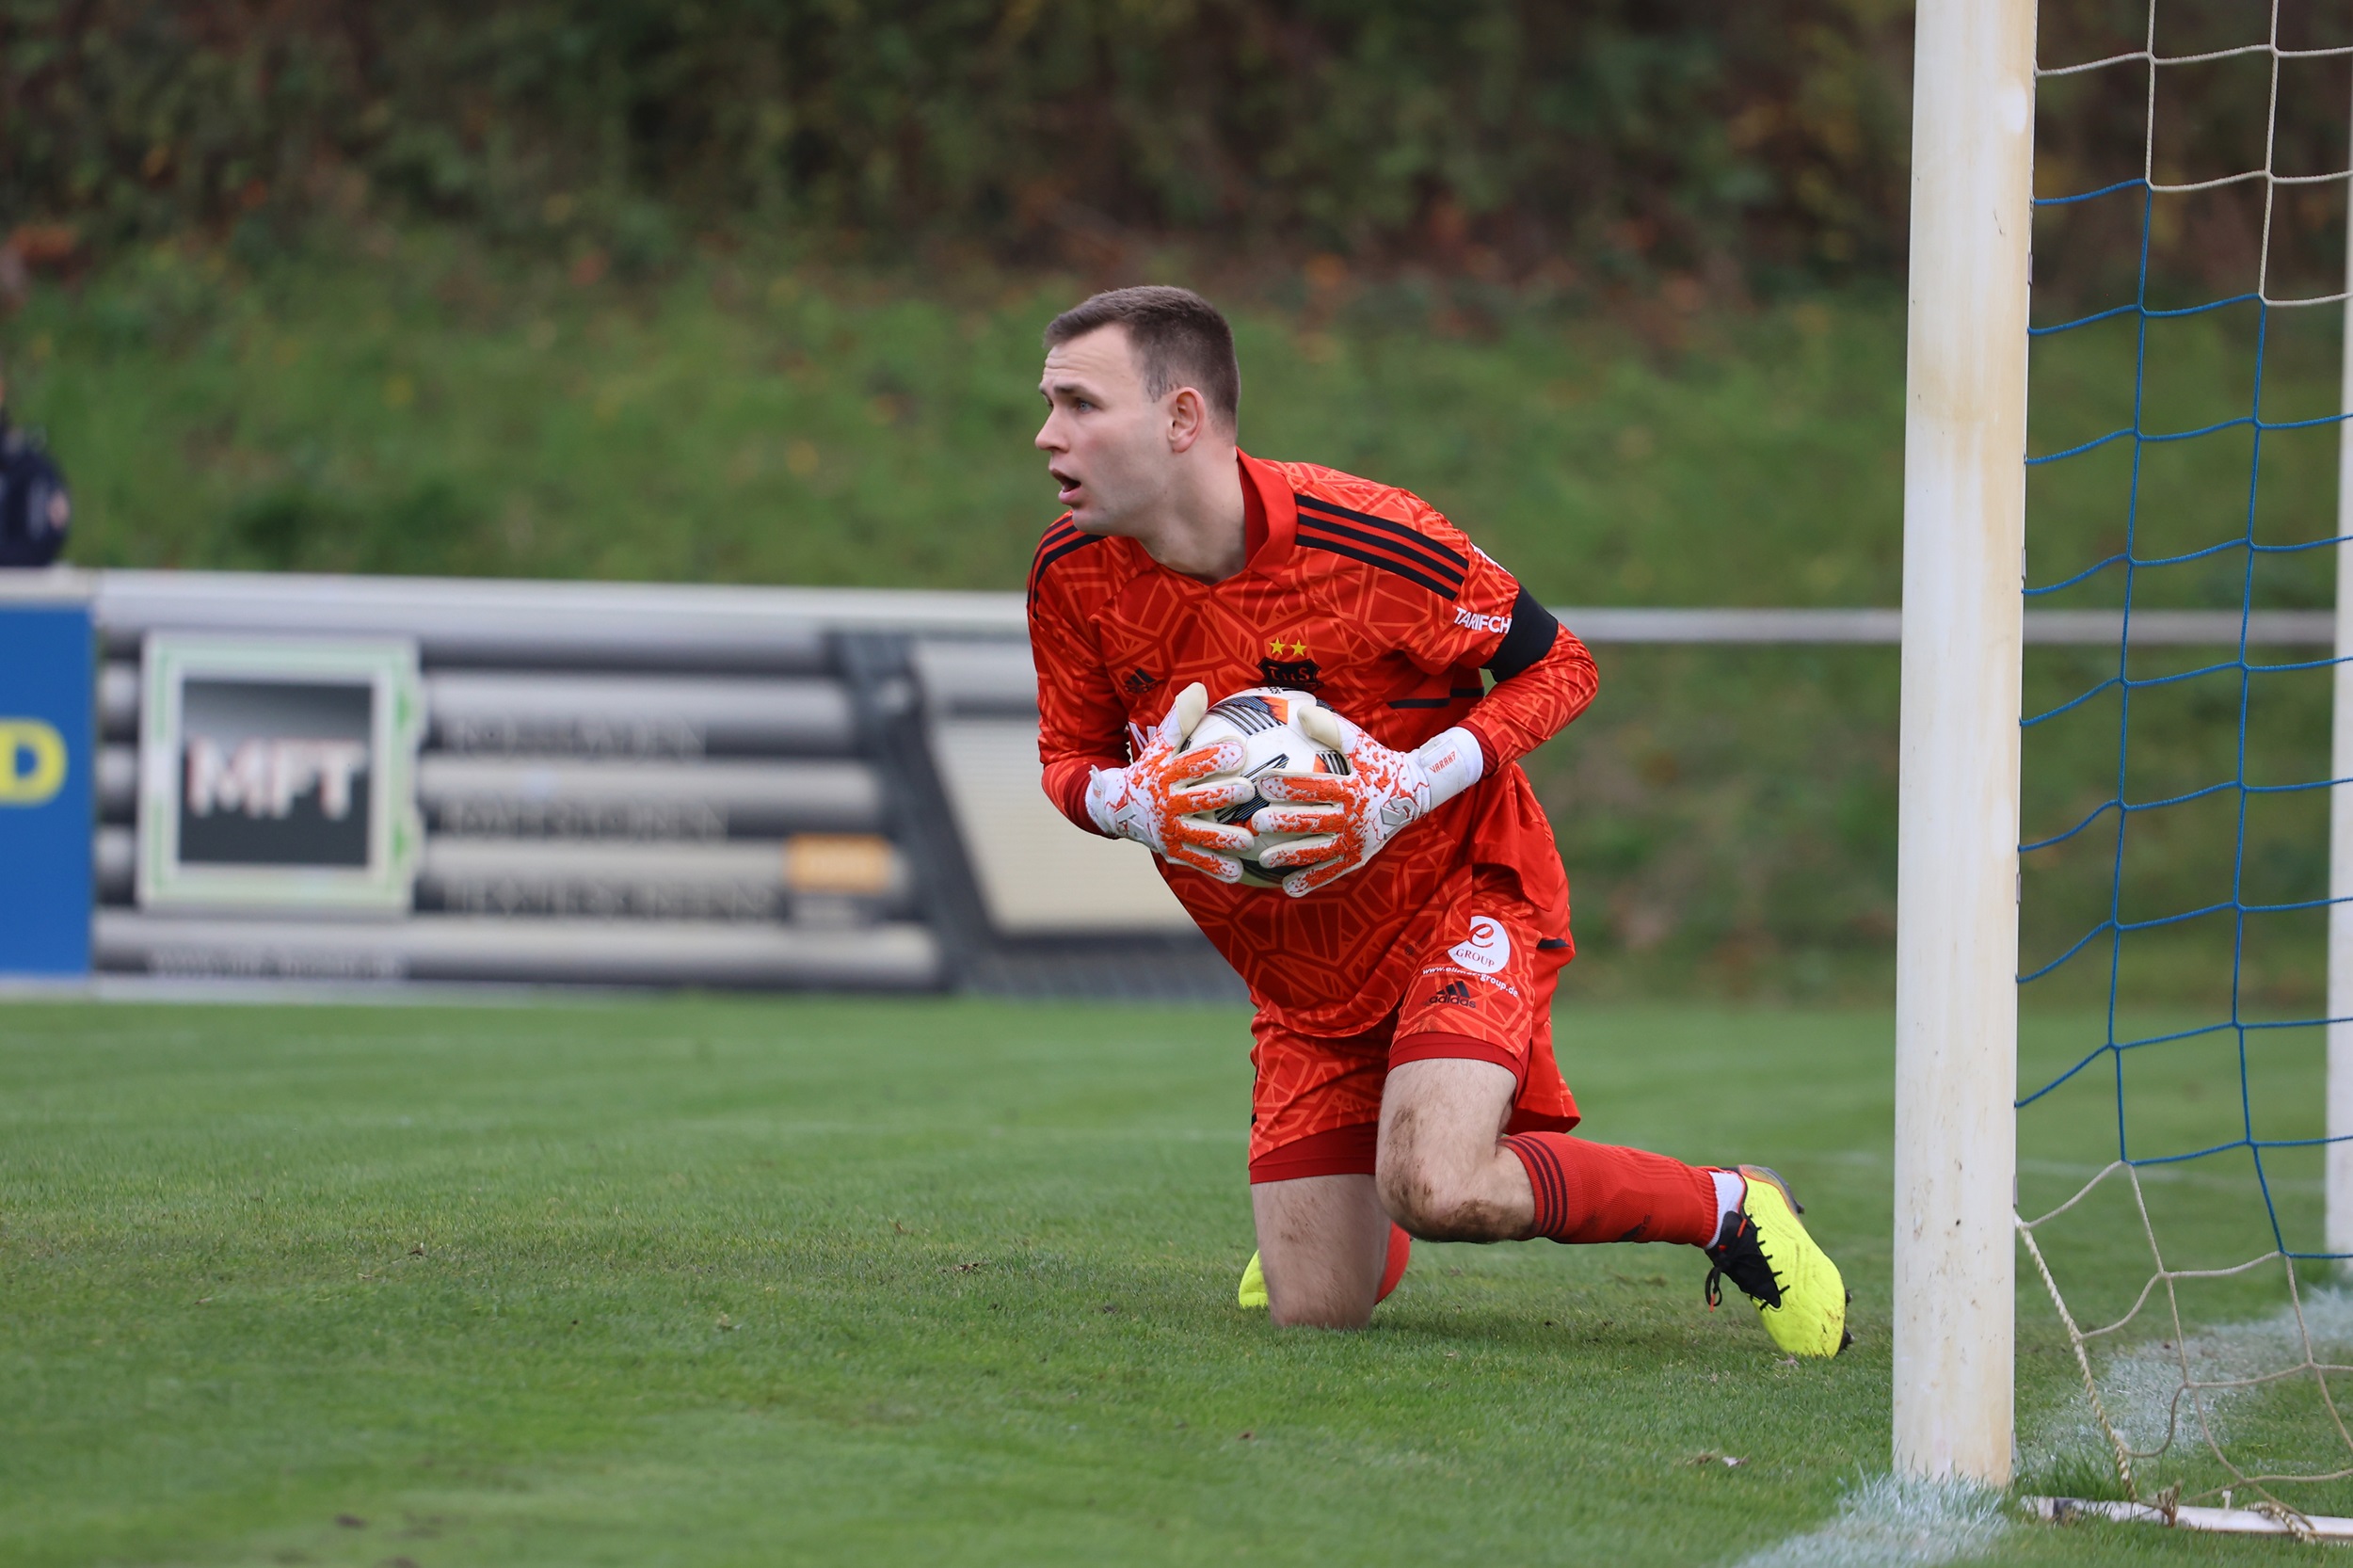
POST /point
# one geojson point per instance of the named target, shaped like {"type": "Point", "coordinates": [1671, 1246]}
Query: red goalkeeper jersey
{"type": "Point", "coordinates": [1365, 595]}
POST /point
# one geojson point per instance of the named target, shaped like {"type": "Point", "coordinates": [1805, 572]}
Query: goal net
{"type": "Point", "coordinates": [2188, 379]}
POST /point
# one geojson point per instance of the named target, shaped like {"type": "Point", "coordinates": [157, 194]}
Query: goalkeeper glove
{"type": "Point", "coordinates": [1356, 813]}
{"type": "Point", "coordinates": [1153, 799]}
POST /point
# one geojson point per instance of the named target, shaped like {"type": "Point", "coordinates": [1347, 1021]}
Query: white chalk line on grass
{"type": "Point", "coordinates": [1895, 1522]}
{"type": "Point", "coordinates": [2142, 1390]}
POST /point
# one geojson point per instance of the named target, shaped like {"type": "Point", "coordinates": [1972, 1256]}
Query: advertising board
{"type": "Point", "coordinates": [277, 773]}
{"type": "Point", "coordinates": [46, 765]}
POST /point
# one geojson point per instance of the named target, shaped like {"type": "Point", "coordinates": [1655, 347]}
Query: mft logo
{"type": "Point", "coordinates": [262, 778]}
{"type": "Point", "coordinates": [32, 762]}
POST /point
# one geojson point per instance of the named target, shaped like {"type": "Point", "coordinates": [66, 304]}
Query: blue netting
{"type": "Point", "coordinates": [2118, 813]}
{"type": "Point", "coordinates": [2146, 1392]}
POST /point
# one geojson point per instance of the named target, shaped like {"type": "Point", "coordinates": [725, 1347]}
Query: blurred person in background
{"type": "Point", "coordinates": [35, 506]}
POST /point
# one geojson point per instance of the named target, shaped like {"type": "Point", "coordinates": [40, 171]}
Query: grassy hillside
{"type": "Point", "coordinates": [433, 409]}
{"type": "Point", "coordinates": [416, 404]}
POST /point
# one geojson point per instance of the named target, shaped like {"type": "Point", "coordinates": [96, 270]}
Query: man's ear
{"type": "Point", "coordinates": [1188, 418]}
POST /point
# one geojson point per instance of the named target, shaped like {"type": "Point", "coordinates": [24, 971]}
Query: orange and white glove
{"type": "Point", "coordinates": [1354, 814]}
{"type": "Point", "coordinates": [1153, 799]}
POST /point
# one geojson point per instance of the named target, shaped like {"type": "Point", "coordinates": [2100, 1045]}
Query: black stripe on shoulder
{"type": "Point", "coordinates": [1387, 562]}
{"type": "Point", "coordinates": [1326, 528]}
{"type": "Point", "coordinates": [1056, 549]}
{"type": "Point", "coordinates": [1551, 944]}
{"type": "Point", "coordinates": [1402, 530]}
{"type": "Point", "coordinates": [1314, 524]}
{"type": "Point", "coordinates": [1059, 540]}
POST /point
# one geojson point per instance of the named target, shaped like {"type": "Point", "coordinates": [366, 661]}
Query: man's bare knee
{"type": "Point", "coordinates": [1321, 1300]}
{"type": "Point", "coordinates": [1437, 1174]}
{"type": "Point", "coordinates": [1322, 1240]}
{"type": "Point", "coordinates": [1435, 1205]}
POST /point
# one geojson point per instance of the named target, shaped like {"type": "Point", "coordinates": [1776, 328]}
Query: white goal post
{"type": "Point", "coordinates": [1963, 626]}
{"type": "Point", "coordinates": [1957, 852]}
{"type": "Point", "coordinates": [2338, 1166]}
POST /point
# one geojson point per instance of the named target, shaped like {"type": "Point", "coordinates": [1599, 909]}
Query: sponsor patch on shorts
{"type": "Point", "coordinates": [1488, 950]}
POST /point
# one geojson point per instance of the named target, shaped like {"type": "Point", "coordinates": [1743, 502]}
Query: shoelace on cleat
{"type": "Point", "coordinates": [1739, 1256]}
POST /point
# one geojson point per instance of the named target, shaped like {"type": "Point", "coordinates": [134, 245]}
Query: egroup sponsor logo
{"type": "Point", "coordinates": [1489, 948]}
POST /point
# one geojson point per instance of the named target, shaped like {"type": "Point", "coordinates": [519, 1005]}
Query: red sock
{"type": "Point", "coordinates": [1400, 1252]}
{"type": "Point", "coordinates": [1597, 1193]}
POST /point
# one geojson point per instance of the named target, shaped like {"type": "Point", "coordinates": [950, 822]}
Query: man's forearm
{"type": "Point", "coordinates": [1065, 780]}
{"type": "Point", "coordinates": [1535, 703]}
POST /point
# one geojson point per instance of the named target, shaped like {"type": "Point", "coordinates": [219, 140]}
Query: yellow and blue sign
{"type": "Point", "coordinates": [46, 757]}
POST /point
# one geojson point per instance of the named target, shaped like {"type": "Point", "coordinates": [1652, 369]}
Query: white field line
{"type": "Point", "coordinates": [2139, 1385]}
{"type": "Point", "coordinates": [1888, 1522]}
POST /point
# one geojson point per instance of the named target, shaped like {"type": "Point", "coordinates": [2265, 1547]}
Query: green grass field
{"type": "Point", "coordinates": [699, 1281]}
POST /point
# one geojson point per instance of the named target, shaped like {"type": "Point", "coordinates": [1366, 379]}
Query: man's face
{"type": "Point", "coordinates": [1106, 443]}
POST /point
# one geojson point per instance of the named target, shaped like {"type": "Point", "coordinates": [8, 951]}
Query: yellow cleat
{"type": "Point", "coordinates": [1252, 1296]}
{"type": "Point", "coordinates": [1769, 1254]}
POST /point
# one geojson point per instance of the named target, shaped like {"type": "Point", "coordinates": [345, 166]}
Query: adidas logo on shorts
{"type": "Point", "coordinates": [1457, 993]}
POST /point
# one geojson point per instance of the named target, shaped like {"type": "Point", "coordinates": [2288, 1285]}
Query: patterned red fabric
{"type": "Point", "coordinates": [1588, 1193]}
{"type": "Point", "coordinates": [1349, 1150]}
{"type": "Point", "coordinates": [1307, 1090]}
{"type": "Point", "coordinates": [1429, 1047]}
{"type": "Point", "coordinates": [1367, 596]}
{"type": "Point", "coordinates": [1525, 712]}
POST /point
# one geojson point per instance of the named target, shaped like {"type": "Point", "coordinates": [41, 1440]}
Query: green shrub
{"type": "Point", "coordinates": [1481, 134]}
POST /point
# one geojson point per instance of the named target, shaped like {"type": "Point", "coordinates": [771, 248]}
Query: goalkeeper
{"type": "Point", "coordinates": [1403, 973]}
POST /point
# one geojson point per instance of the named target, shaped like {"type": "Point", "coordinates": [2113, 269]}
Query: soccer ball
{"type": "Point", "coordinates": [1265, 719]}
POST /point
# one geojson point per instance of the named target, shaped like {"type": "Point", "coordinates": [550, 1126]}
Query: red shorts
{"type": "Point", "coordinates": [1315, 1105]}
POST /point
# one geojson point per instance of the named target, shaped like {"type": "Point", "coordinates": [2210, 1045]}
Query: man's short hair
{"type": "Point", "coordinates": [1178, 339]}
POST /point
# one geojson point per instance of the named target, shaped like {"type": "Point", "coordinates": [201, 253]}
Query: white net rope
{"type": "Point", "coordinates": [2208, 1374]}
{"type": "Point", "coordinates": [2167, 1392]}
